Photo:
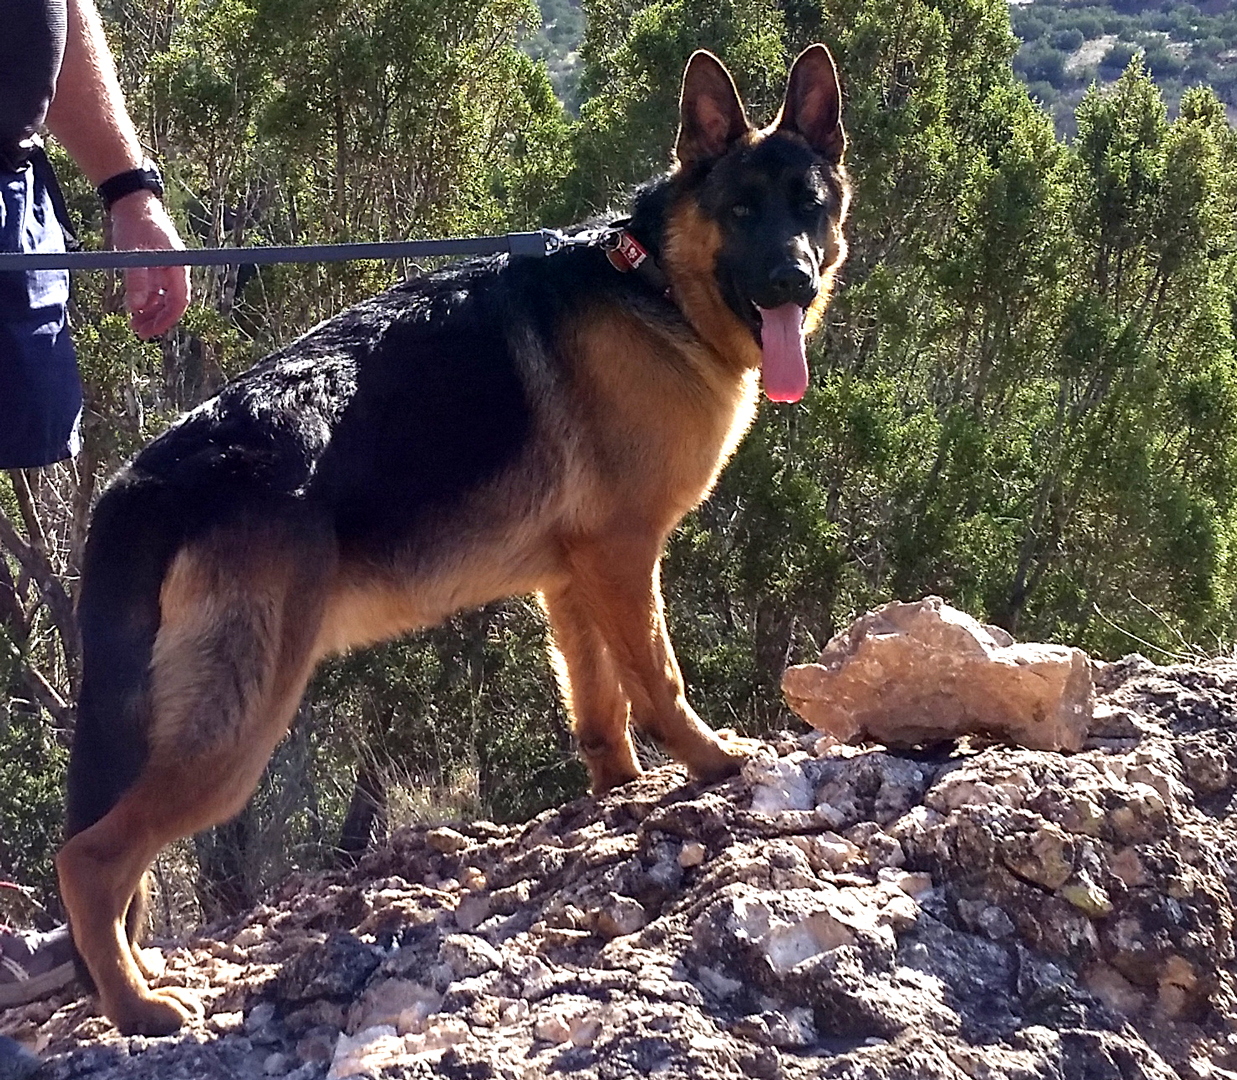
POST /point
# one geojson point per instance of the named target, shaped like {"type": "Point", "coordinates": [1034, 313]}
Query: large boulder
{"type": "Point", "coordinates": [907, 674]}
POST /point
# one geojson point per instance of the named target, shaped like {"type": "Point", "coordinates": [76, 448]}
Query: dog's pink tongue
{"type": "Point", "coordinates": [784, 368]}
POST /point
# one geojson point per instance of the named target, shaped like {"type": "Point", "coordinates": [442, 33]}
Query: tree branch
{"type": "Point", "coordinates": [52, 592]}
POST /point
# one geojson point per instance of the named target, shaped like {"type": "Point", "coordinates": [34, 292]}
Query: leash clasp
{"type": "Point", "coordinates": [535, 245]}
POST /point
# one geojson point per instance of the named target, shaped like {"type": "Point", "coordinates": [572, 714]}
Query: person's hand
{"type": "Point", "coordinates": [155, 296]}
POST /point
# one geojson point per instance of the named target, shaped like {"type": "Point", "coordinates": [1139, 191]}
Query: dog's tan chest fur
{"type": "Point", "coordinates": [665, 413]}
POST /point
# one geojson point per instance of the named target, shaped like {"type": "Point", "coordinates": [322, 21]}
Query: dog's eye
{"type": "Point", "coordinates": [741, 210]}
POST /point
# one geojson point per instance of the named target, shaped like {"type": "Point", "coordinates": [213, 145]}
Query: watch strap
{"type": "Point", "coordinates": [146, 178]}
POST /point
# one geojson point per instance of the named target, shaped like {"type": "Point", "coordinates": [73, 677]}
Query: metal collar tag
{"type": "Point", "coordinates": [624, 251]}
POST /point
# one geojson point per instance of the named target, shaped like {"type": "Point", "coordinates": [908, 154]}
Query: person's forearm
{"type": "Point", "coordinates": [88, 115]}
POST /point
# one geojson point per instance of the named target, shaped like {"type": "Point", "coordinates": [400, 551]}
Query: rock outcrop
{"type": "Point", "coordinates": [851, 912]}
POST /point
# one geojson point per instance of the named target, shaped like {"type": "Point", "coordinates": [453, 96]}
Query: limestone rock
{"type": "Point", "coordinates": [468, 955]}
{"type": "Point", "coordinates": [447, 840]}
{"type": "Point", "coordinates": [906, 674]}
{"type": "Point", "coordinates": [552, 1028]}
{"type": "Point", "coordinates": [396, 1003]}
{"type": "Point", "coordinates": [693, 853]}
{"type": "Point", "coordinates": [620, 916]}
{"type": "Point", "coordinates": [778, 784]}
{"type": "Point", "coordinates": [338, 967]}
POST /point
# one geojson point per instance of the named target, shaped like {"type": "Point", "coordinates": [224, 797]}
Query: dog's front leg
{"type": "Point", "coordinates": [621, 577]}
{"type": "Point", "coordinates": [591, 691]}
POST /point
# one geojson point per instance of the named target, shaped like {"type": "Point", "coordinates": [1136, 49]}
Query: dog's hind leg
{"type": "Point", "coordinates": [590, 687]}
{"type": "Point", "coordinates": [99, 870]}
{"type": "Point", "coordinates": [234, 649]}
{"type": "Point", "coordinates": [620, 576]}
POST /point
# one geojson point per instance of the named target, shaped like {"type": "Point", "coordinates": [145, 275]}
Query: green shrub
{"type": "Point", "coordinates": [1040, 63]}
{"type": "Point", "coordinates": [1027, 26]}
{"type": "Point", "coordinates": [1087, 23]}
{"type": "Point", "coordinates": [1043, 92]}
{"type": "Point", "coordinates": [1114, 22]}
{"type": "Point", "coordinates": [1068, 40]}
{"type": "Point", "coordinates": [1117, 59]}
{"type": "Point", "coordinates": [1163, 64]}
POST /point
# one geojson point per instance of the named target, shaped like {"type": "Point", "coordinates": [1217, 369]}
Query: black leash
{"type": "Point", "coordinates": [623, 250]}
{"type": "Point", "coordinates": [530, 244]}
{"type": "Point", "coordinates": [621, 247]}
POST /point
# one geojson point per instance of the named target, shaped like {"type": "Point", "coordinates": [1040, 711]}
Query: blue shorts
{"type": "Point", "coordinates": [40, 390]}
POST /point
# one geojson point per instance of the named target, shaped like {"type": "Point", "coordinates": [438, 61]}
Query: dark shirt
{"type": "Point", "coordinates": [32, 34]}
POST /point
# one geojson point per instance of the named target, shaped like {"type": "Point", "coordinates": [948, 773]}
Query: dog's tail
{"type": "Point", "coordinates": [131, 542]}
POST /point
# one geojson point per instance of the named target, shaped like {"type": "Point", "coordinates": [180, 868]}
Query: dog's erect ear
{"type": "Point", "coordinates": [711, 116]}
{"type": "Point", "coordinates": [813, 105]}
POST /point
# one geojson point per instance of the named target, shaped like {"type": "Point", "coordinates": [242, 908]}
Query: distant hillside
{"type": "Point", "coordinates": [1068, 44]}
{"type": "Point", "coordinates": [557, 42]}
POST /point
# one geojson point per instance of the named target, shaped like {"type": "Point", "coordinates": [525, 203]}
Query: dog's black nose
{"type": "Point", "coordinates": [792, 283]}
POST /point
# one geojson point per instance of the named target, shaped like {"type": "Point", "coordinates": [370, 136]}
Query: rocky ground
{"type": "Point", "coordinates": [967, 912]}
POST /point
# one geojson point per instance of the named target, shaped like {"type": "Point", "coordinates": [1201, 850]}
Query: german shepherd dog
{"type": "Point", "coordinates": [504, 426]}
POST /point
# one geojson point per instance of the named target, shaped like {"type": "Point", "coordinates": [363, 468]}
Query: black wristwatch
{"type": "Point", "coordinates": [147, 178]}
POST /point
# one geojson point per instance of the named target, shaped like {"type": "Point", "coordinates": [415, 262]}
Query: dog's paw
{"type": "Point", "coordinates": [724, 756]}
{"type": "Point", "coordinates": [607, 776]}
{"type": "Point", "coordinates": [739, 747]}
{"type": "Point", "coordinates": [188, 1000]}
{"type": "Point", "coordinates": [161, 1012]}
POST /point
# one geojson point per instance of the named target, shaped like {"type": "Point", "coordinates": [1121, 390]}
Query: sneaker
{"type": "Point", "coordinates": [16, 1062]}
{"type": "Point", "coordinates": [33, 965]}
